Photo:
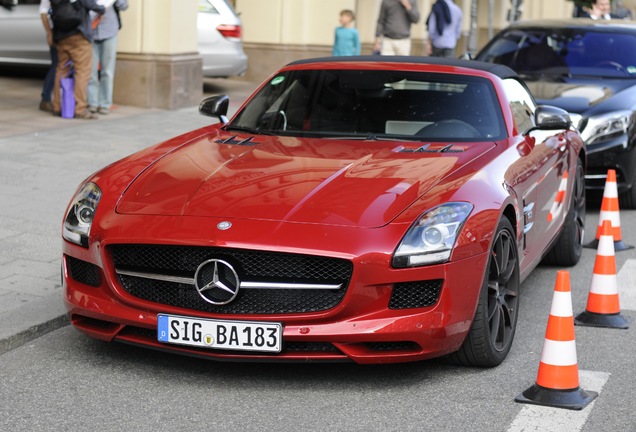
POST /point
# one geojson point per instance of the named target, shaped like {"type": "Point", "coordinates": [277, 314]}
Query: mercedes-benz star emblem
{"type": "Point", "coordinates": [225, 225]}
{"type": "Point", "coordinates": [216, 282]}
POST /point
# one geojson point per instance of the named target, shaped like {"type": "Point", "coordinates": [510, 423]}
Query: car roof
{"type": "Point", "coordinates": [498, 70]}
{"type": "Point", "coordinates": [581, 23]}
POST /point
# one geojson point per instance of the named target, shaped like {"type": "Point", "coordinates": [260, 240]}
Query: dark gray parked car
{"type": "Point", "coordinates": [589, 69]}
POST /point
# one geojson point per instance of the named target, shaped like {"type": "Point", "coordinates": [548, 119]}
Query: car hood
{"type": "Point", "coordinates": [326, 181]}
{"type": "Point", "coordinates": [576, 95]}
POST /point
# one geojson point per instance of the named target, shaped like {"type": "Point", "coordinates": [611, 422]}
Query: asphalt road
{"type": "Point", "coordinates": [66, 381]}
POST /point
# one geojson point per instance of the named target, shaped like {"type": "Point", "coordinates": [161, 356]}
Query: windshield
{"type": "Point", "coordinates": [374, 104]}
{"type": "Point", "coordinates": [568, 52]}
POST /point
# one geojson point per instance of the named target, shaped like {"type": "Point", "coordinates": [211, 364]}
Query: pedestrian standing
{"type": "Point", "coordinates": [444, 29]}
{"type": "Point", "coordinates": [74, 50]}
{"type": "Point", "coordinates": [600, 10]}
{"type": "Point", "coordinates": [347, 39]}
{"type": "Point", "coordinates": [393, 30]}
{"type": "Point", "coordinates": [100, 87]}
{"type": "Point", "coordinates": [49, 80]}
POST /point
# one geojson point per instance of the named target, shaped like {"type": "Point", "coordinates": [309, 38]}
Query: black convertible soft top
{"type": "Point", "coordinates": [499, 70]}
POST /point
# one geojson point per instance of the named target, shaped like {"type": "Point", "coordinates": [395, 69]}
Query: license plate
{"type": "Point", "coordinates": [220, 334]}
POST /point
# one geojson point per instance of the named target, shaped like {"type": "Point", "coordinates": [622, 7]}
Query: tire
{"type": "Point", "coordinates": [627, 199]}
{"type": "Point", "coordinates": [492, 331]}
{"type": "Point", "coordinates": [567, 249]}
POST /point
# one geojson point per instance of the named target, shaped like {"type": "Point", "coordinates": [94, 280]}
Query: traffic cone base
{"type": "Point", "coordinates": [574, 399]}
{"type": "Point", "coordinates": [619, 245]}
{"type": "Point", "coordinates": [591, 319]}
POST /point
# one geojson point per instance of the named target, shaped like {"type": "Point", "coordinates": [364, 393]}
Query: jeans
{"type": "Point", "coordinates": [49, 80]}
{"type": "Point", "coordinates": [100, 87]}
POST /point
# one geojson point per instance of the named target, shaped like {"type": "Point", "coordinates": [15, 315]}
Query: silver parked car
{"type": "Point", "coordinates": [23, 41]}
{"type": "Point", "coordinates": [220, 42]}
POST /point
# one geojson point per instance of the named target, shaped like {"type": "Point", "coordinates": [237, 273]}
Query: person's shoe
{"type": "Point", "coordinates": [56, 113]}
{"type": "Point", "coordinates": [92, 109]}
{"type": "Point", "coordinates": [86, 115]}
{"type": "Point", "coordinates": [103, 110]}
{"type": "Point", "coordinates": [46, 106]}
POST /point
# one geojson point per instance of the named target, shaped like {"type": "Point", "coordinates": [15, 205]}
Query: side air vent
{"type": "Point", "coordinates": [232, 140]}
{"type": "Point", "coordinates": [425, 149]}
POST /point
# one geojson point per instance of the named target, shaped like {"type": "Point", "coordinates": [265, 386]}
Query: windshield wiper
{"type": "Point", "coordinates": [255, 131]}
{"type": "Point", "coordinates": [399, 138]}
{"type": "Point", "coordinates": [377, 137]}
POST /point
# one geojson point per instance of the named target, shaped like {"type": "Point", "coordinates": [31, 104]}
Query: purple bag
{"type": "Point", "coordinates": [68, 96]}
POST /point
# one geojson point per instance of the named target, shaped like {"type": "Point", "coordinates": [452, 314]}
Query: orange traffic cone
{"type": "Point", "coordinates": [603, 306]}
{"type": "Point", "coordinates": [610, 211]}
{"type": "Point", "coordinates": [557, 205]}
{"type": "Point", "coordinates": [557, 382]}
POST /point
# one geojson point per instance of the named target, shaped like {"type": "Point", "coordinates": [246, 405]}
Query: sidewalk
{"type": "Point", "coordinates": [42, 161]}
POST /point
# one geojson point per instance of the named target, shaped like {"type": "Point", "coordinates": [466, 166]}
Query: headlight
{"type": "Point", "coordinates": [79, 219]}
{"type": "Point", "coordinates": [431, 238]}
{"type": "Point", "coordinates": [603, 127]}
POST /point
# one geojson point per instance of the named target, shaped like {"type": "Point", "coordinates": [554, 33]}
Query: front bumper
{"type": "Point", "coordinates": [361, 328]}
{"type": "Point", "coordinates": [617, 154]}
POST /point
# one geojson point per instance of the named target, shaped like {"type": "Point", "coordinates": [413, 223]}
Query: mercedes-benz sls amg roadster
{"type": "Point", "coordinates": [365, 209]}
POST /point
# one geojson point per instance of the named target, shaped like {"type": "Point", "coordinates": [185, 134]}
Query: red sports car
{"type": "Point", "coordinates": [373, 209]}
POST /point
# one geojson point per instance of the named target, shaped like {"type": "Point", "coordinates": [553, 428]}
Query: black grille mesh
{"type": "Point", "coordinates": [83, 272]}
{"type": "Point", "coordinates": [253, 266]}
{"type": "Point", "coordinates": [250, 264]}
{"type": "Point", "coordinates": [393, 346]}
{"type": "Point", "coordinates": [407, 295]}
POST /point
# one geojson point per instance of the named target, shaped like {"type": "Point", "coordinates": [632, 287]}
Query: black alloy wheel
{"type": "Point", "coordinates": [493, 329]}
{"type": "Point", "coordinates": [503, 291]}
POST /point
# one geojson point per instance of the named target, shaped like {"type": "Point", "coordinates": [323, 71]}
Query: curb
{"type": "Point", "coordinates": [34, 319]}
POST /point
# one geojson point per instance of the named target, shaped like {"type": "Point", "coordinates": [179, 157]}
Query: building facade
{"type": "Point", "coordinates": [279, 31]}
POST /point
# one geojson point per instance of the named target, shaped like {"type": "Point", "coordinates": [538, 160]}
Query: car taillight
{"type": "Point", "coordinates": [230, 32]}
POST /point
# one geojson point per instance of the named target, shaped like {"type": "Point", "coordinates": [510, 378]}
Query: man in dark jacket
{"type": "Point", "coordinates": [75, 45]}
{"type": "Point", "coordinates": [393, 30]}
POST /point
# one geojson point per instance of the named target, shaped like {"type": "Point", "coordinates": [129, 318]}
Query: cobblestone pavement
{"type": "Point", "coordinates": [43, 159]}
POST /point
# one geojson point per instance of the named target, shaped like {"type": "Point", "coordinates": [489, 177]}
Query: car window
{"type": "Point", "coordinates": [375, 103]}
{"type": "Point", "coordinates": [521, 104]}
{"type": "Point", "coordinates": [568, 52]}
{"type": "Point", "coordinates": [207, 6]}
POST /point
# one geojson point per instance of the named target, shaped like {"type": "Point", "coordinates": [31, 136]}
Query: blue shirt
{"type": "Point", "coordinates": [452, 31]}
{"type": "Point", "coordinates": [347, 42]}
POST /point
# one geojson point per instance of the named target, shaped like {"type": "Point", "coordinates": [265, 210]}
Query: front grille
{"type": "Point", "coordinates": [393, 346]}
{"type": "Point", "coordinates": [83, 272]}
{"type": "Point", "coordinates": [407, 295]}
{"type": "Point", "coordinates": [253, 266]}
{"type": "Point", "coordinates": [309, 347]}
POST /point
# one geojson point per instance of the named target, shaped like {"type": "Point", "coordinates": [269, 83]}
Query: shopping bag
{"type": "Point", "coordinates": [68, 97]}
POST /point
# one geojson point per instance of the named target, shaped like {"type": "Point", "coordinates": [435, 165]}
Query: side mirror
{"type": "Point", "coordinates": [547, 117]}
{"type": "Point", "coordinates": [215, 106]}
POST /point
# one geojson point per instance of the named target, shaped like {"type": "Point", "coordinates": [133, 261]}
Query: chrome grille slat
{"type": "Point", "coordinates": [244, 285]}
